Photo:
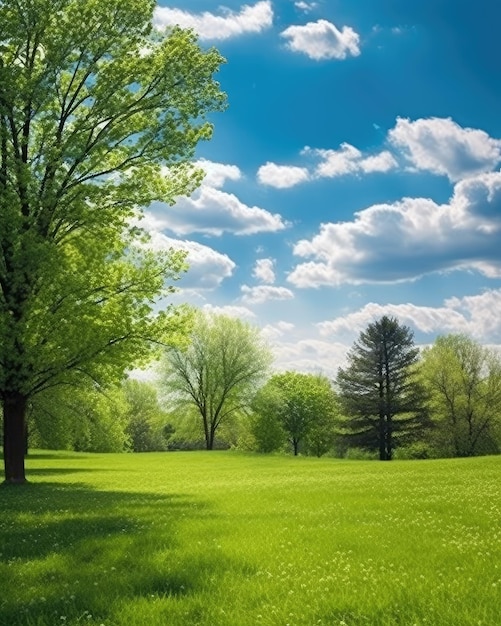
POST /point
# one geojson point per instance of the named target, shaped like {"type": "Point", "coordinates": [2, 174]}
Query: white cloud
{"type": "Point", "coordinates": [216, 174]}
{"type": "Point", "coordinates": [336, 162]}
{"type": "Point", "coordinates": [382, 162]}
{"type": "Point", "coordinates": [307, 354]}
{"type": "Point", "coordinates": [423, 318]}
{"type": "Point", "coordinates": [350, 160]}
{"type": "Point", "coordinates": [481, 312]}
{"type": "Point", "coordinates": [250, 19]}
{"type": "Point", "coordinates": [274, 331]}
{"type": "Point", "coordinates": [305, 6]}
{"type": "Point", "coordinates": [347, 160]}
{"type": "Point", "coordinates": [476, 316]}
{"type": "Point", "coordinates": [241, 312]}
{"type": "Point", "coordinates": [264, 293]}
{"type": "Point", "coordinates": [213, 211]}
{"type": "Point", "coordinates": [208, 268]}
{"type": "Point", "coordinates": [403, 241]}
{"type": "Point", "coordinates": [322, 40]}
{"type": "Point", "coordinates": [297, 348]}
{"type": "Point", "coordinates": [281, 176]}
{"type": "Point", "coordinates": [441, 146]}
{"type": "Point", "coordinates": [264, 270]}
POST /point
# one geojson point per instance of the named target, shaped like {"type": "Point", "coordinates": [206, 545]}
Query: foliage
{"type": "Point", "coordinates": [230, 539]}
{"type": "Point", "coordinates": [81, 418]}
{"type": "Point", "coordinates": [415, 450]}
{"type": "Point", "coordinates": [219, 371]}
{"type": "Point", "coordinates": [380, 392]}
{"type": "Point", "coordinates": [95, 123]}
{"type": "Point", "coordinates": [188, 430]}
{"type": "Point", "coordinates": [323, 432]}
{"type": "Point", "coordinates": [118, 418]}
{"type": "Point", "coordinates": [146, 424]}
{"type": "Point", "coordinates": [303, 406]}
{"type": "Point", "coordinates": [268, 434]}
{"type": "Point", "coordinates": [465, 383]}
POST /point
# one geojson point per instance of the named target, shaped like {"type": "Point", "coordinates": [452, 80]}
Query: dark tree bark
{"type": "Point", "coordinates": [14, 437]}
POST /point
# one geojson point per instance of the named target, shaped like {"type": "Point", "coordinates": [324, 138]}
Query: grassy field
{"type": "Point", "coordinates": [225, 539]}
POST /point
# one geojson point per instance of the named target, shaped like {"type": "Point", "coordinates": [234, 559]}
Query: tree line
{"type": "Point", "coordinates": [390, 400]}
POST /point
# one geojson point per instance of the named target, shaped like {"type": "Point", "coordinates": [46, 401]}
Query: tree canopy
{"type": "Point", "coordinates": [219, 371]}
{"type": "Point", "coordinates": [305, 407]}
{"type": "Point", "coordinates": [464, 380]}
{"type": "Point", "coordinates": [381, 396]}
{"type": "Point", "coordinates": [96, 123]}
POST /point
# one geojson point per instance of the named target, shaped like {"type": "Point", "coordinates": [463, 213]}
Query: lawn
{"type": "Point", "coordinates": [227, 539]}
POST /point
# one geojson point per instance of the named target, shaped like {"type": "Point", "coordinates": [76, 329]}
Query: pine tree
{"type": "Point", "coordinates": [381, 396]}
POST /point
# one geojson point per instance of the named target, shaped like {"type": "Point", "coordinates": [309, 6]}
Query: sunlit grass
{"type": "Point", "coordinates": [223, 539]}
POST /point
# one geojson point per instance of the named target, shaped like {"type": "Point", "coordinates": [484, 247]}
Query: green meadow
{"type": "Point", "coordinates": [228, 539]}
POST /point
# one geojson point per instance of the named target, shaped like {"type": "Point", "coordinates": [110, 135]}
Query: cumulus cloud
{"type": "Point", "coordinates": [281, 176]}
{"type": "Point", "coordinates": [264, 270]}
{"type": "Point", "coordinates": [435, 145]}
{"type": "Point", "coordinates": [241, 312]}
{"type": "Point", "coordinates": [349, 160]}
{"type": "Point", "coordinates": [207, 267]}
{"type": "Point", "coordinates": [474, 315]}
{"type": "Point", "coordinates": [264, 293]}
{"type": "Point", "coordinates": [333, 163]}
{"type": "Point", "coordinates": [250, 19]}
{"type": "Point", "coordinates": [481, 312]}
{"type": "Point", "coordinates": [274, 331]}
{"type": "Point", "coordinates": [216, 174]}
{"type": "Point", "coordinates": [423, 318]}
{"type": "Point", "coordinates": [441, 146]}
{"type": "Point", "coordinates": [322, 40]}
{"type": "Point", "coordinates": [307, 354]}
{"type": "Point", "coordinates": [213, 211]}
{"type": "Point", "coordinates": [403, 241]}
{"type": "Point", "coordinates": [382, 162]}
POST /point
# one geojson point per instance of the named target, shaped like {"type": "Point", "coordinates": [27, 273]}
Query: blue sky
{"type": "Point", "coordinates": [355, 173]}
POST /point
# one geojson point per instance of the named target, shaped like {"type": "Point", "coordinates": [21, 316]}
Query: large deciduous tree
{"type": "Point", "coordinates": [99, 116]}
{"type": "Point", "coordinates": [219, 372]}
{"type": "Point", "coordinates": [464, 379]}
{"type": "Point", "coordinates": [380, 393]}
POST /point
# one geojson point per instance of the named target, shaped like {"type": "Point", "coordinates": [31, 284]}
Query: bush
{"type": "Point", "coordinates": [359, 454]}
{"type": "Point", "coordinates": [416, 450]}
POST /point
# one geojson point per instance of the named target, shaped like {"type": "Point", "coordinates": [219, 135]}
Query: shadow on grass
{"type": "Point", "coordinates": [70, 550]}
{"type": "Point", "coordinates": [55, 471]}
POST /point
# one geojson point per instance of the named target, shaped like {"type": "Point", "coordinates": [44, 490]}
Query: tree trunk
{"type": "Point", "coordinates": [210, 442]}
{"type": "Point", "coordinates": [389, 438]}
{"type": "Point", "coordinates": [382, 438]}
{"type": "Point", "coordinates": [295, 445]}
{"type": "Point", "coordinates": [14, 437]}
{"type": "Point", "coordinates": [207, 430]}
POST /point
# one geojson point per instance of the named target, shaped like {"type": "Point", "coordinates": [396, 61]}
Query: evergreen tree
{"type": "Point", "coordinates": [380, 393]}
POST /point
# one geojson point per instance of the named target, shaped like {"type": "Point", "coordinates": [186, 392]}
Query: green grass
{"type": "Point", "coordinates": [225, 539]}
